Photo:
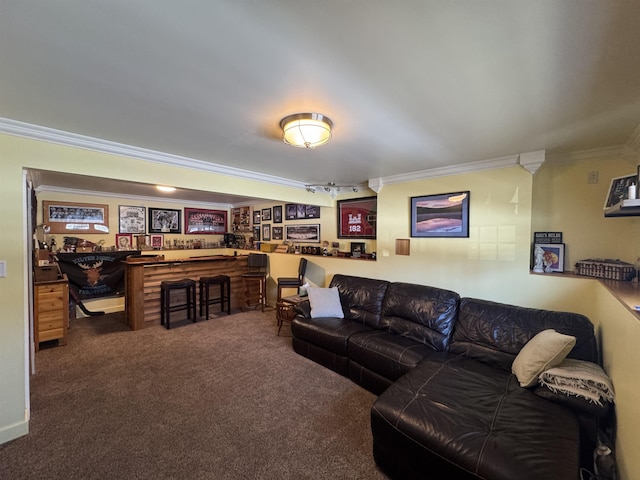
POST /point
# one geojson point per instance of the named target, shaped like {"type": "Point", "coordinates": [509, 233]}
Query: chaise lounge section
{"type": "Point", "coordinates": [449, 405]}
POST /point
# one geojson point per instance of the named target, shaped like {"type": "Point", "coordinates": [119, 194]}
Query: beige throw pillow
{"type": "Point", "coordinates": [546, 350]}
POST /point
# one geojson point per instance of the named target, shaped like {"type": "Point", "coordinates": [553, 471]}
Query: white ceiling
{"type": "Point", "coordinates": [410, 85]}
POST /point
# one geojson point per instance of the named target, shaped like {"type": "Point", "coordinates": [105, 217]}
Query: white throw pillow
{"type": "Point", "coordinates": [547, 349]}
{"type": "Point", "coordinates": [325, 302]}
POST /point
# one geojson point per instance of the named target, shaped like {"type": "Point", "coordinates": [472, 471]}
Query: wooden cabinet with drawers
{"type": "Point", "coordinates": [51, 310]}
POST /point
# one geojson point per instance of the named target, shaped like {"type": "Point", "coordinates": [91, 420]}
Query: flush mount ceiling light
{"type": "Point", "coordinates": [306, 130]}
{"type": "Point", "coordinates": [163, 188]}
{"type": "Point", "coordinates": [331, 188]}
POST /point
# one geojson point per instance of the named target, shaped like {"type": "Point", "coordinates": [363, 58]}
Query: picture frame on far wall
{"type": "Point", "coordinates": [164, 220]}
{"type": "Point", "coordinates": [266, 215]}
{"type": "Point", "coordinates": [132, 219]}
{"type": "Point", "coordinates": [199, 221]}
{"type": "Point", "coordinates": [303, 233]}
{"type": "Point", "coordinates": [77, 218]}
{"type": "Point", "coordinates": [277, 233]}
{"type": "Point", "coordinates": [441, 215]}
{"type": "Point", "coordinates": [298, 211]}
{"type": "Point", "coordinates": [256, 217]}
{"type": "Point", "coordinates": [277, 214]}
{"type": "Point", "coordinates": [157, 241]}
{"type": "Point", "coordinates": [266, 232]}
{"type": "Point", "coordinates": [124, 241]}
{"type": "Point", "coordinates": [357, 217]}
{"type": "Point", "coordinates": [553, 257]}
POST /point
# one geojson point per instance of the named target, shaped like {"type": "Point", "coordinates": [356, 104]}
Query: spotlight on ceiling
{"type": "Point", "coordinates": [306, 130]}
{"type": "Point", "coordinates": [331, 188]}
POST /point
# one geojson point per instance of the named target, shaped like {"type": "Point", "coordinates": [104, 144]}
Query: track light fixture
{"type": "Point", "coordinates": [331, 188]}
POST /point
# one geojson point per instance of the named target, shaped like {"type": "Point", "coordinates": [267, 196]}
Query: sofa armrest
{"type": "Point", "coordinates": [303, 309]}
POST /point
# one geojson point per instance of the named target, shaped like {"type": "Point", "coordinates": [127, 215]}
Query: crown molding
{"type": "Point", "coordinates": [491, 164]}
{"type": "Point", "coordinates": [141, 198]}
{"type": "Point", "coordinates": [46, 134]}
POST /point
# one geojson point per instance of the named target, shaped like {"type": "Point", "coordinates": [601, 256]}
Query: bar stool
{"type": "Point", "coordinates": [224, 281]}
{"type": "Point", "coordinates": [187, 286]}
{"type": "Point", "coordinates": [256, 275]}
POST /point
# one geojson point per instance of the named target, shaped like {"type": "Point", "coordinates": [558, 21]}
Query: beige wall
{"type": "Point", "coordinates": [493, 263]}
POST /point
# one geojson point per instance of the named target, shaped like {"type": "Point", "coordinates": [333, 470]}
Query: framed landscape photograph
{"type": "Point", "coordinates": [71, 217]}
{"type": "Point", "coordinates": [164, 220]}
{"type": "Point", "coordinates": [132, 219]}
{"type": "Point", "coordinates": [199, 221]}
{"type": "Point", "coordinates": [303, 233]}
{"type": "Point", "coordinates": [553, 257]}
{"type": "Point", "coordinates": [357, 217]}
{"type": "Point", "coordinates": [277, 233]}
{"type": "Point", "coordinates": [277, 214]}
{"type": "Point", "coordinates": [442, 215]}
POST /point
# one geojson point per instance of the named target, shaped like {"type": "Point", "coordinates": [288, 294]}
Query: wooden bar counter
{"type": "Point", "coordinates": [143, 278]}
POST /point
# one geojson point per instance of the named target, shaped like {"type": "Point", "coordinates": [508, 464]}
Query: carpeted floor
{"type": "Point", "coordinates": [220, 399]}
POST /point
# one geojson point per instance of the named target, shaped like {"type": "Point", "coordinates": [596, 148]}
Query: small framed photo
{"type": "Point", "coordinates": [303, 233]}
{"type": "Point", "coordinates": [256, 233]}
{"type": "Point", "coordinates": [266, 232]}
{"type": "Point", "coordinates": [442, 215]}
{"type": "Point", "coordinates": [266, 215]}
{"type": "Point", "coordinates": [157, 241]}
{"type": "Point", "coordinates": [124, 241]}
{"type": "Point", "coordinates": [277, 233]}
{"type": "Point", "coordinates": [77, 218]}
{"type": "Point", "coordinates": [132, 219]}
{"type": "Point", "coordinates": [164, 220]}
{"type": "Point", "coordinates": [552, 258]}
{"type": "Point", "coordinates": [618, 189]}
{"type": "Point", "coordinates": [357, 249]}
{"type": "Point", "coordinates": [277, 214]}
{"type": "Point", "coordinates": [256, 217]}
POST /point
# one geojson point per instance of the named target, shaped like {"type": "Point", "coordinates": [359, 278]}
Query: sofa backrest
{"type": "Point", "coordinates": [361, 298]}
{"type": "Point", "coordinates": [494, 333]}
{"type": "Point", "coordinates": [422, 313]}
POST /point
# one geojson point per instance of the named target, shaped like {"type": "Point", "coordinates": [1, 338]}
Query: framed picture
{"type": "Point", "coordinates": [70, 217]}
{"type": "Point", "coordinates": [157, 241]}
{"type": "Point", "coordinates": [297, 211]}
{"type": "Point", "coordinates": [277, 214]}
{"type": "Point", "coordinates": [553, 256]}
{"type": "Point", "coordinates": [303, 233]}
{"type": "Point", "coordinates": [132, 219]}
{"type": "Point", "coordinates": [443, 215]}
{"type": "Point", "coordinates": [163, 220]}
{"type": "Point", "coordinates": [618, 189]}
{"type": "Point", "coordinates": [266, 232]}
{"type": "Point", "coordinates": [124, 241]}
{"type": "Point", "coordinates": [266, 215]}
{"type": "Point", "coordinates": [256, 217]}
{"type": "Point", "coordinates": [357, 217]}
{"type": "Point", "coordinates": [277, 233]}
{"type": "Point", "coordinates": [199, 221]}
{"type": "Point", "coordinates": [357, 249]}
{"type": "Point", "coordinates": [256, 233]}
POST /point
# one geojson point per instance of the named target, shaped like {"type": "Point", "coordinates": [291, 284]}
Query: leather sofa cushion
{"type": "Point", "coordinates": [473, 418]}
{"type": "Point", "coordinates": [386, 354]}
{"type": "Point", "coordinates": [494, 333]}
{"type": "Point", "coordinates": [361, 298]}
{"type": "Point", "coordinates": [422, 313]}
{"type": "Point", "coordinates": [329, 333]}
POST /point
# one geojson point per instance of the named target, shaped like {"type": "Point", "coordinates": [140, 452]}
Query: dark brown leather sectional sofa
{"type": "Point", "coordinates": [449, 406]}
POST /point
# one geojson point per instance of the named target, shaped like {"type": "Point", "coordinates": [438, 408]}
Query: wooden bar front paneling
{"type": "Point", "coordinates": [142, 297]}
